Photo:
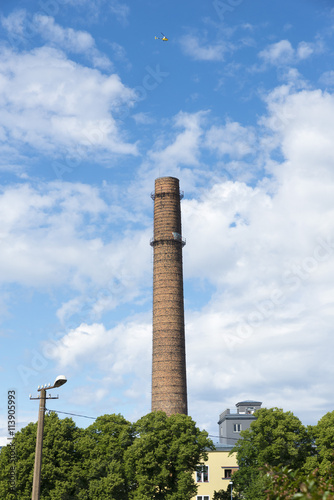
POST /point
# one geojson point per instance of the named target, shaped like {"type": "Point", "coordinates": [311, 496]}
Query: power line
{"type": "Point", "coordinates": [94, 418]}
{"type": "Point", "coordinates": [222, 437]}
{"type": "Point", "coordinates": [73, 414]}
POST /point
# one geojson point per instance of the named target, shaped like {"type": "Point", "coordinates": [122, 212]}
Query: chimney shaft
{"type": "Point", "coordinates": [169, 385]}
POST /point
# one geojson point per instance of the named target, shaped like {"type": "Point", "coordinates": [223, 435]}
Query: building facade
{"type": "Point", "coordinates": [231, 423]}
{"type": "Point", "coordinates": [216, 473]}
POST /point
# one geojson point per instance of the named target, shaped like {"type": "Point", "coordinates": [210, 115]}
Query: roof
{"type": "Point", "coordinates": [223, 447]}
{"type": "Point", "coordinates": [243, 403]}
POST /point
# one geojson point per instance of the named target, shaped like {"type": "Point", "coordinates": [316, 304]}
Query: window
{"type": "Point", "coordinates": [202, 475]}
{"type": "Point", "coordinates": [202, 497]}
{"type": "Point", "coordinates": [237, 427]}
{"type": "Point", "coordinates": [227, 473]}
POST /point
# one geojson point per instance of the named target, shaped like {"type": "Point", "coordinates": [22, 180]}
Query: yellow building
{"type": "Point", "coordinates": [216, 473]}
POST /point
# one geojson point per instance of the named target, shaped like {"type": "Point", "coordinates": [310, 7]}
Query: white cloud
{"type": "Point", "coordinates": [282, 53]}
{"type": "Point", "coordinates": [327, 78]}
{"type": "Point", "coordinates": [276, 53]}
{"type": "Point", "coordinates": [282, 217]}
{"type": "Point", "coordinates": [120, 10]}
{"type": "Point", "coordinates": [119, 53]}
{"type": "Point", "coordinates": [269, 253]}
{"type": "Point", "coordinates": [53, 104]}
{"type": "Point", "coordinates": [53, 235]}
{"type": "Point", "coordinates": [113, 349]}
{"type": "Point", "coordinates": [14, 23]}
{"type": "Point", "coordinates": [143, 118]}
{"type": "Point", "coordinates": [305, 126]}
{"type": "Point", "coordinates": [185, 148]}
{"type": "Point", "coordinates": [192, 46]}
{"type": "Point", "coordinates": [304, 50]}
{"type": "Point", "coordinates": [121, 354]}
{"type": "Point", "coordinates": [21, 29]}
{"type": "Point", "coordinates": [38, 241]}
{"type": "Point", "coordinates": [68, 38]}
{"type": "Point", "coordinates": [217, 225]}
{"type": "Point", "coordinates": [232, 139]}
{"type": "Point", "coordinates": [72, 41]}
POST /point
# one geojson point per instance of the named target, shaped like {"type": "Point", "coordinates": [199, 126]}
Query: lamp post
{"type": "Point", "coordinates": [36, 485]}
{"type": "Point", "coordinates": [231, 483]}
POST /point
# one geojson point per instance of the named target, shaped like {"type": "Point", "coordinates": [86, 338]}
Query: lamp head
{"type": "Point", "coordinates": [60, 380]}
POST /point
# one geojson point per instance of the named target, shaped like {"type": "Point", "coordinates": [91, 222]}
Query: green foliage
{"type": "Point", "coordinates": [225, 494]}
{"type": "Point", "coordinates": [60, 458]}
{"type": "Point", "coordinates": [274, 438]}
{"type": "Point", "coordinates": [222, 495]}
{"type": "Point", "coordinates": [112, 459]}
{"type": "Point", "coordinates": [59, 454]}
{"type": "Point", "coordinates": [323, 435]}
{"type": "Point", "coordinates": [287, 484]}
{"type": "Point", "coordinates": [103, 446]}
{"type": "Point", "coordinates": [162, 459]}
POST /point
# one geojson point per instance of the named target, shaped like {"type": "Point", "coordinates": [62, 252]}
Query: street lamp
{"type": "Point", "coordinates": [36, 485]}
{"type": "Point", "coordinates": [231, 483]}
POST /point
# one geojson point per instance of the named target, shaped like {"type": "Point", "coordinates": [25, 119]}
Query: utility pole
{"type": "Point", "coordinates": [36, 485]}
{"type": "Point", "coordinates": [39, 446]}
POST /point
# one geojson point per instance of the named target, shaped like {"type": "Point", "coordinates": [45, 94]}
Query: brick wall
{"type": "Point", "coordinates": [169, 387]}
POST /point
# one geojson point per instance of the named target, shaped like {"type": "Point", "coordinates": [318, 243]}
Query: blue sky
{"type": "Point", "coordinates": [239, 105]}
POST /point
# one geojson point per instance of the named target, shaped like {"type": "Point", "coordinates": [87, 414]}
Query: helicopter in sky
{"type": "Point", "coordinates": [163, 38]}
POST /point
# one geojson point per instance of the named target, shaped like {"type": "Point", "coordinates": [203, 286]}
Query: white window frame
{"type": "Point", "coordinates": [237, 428]}
{"type": "Point", "coordinates": [202, 497]}
{"type": "Point", "coordinates": [204, 471]}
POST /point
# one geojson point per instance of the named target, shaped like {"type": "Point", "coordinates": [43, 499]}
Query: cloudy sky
{"type": "Point", "coordinates": [238, 105]}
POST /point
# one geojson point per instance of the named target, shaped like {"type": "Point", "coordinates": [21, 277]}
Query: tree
{"type": "Point", "coordinates": [16, 465]}
{"type": "Point", "coordinates": [287, 484]}
{"type": "Point", "coordinates": [112, 459]}
{"type": "Point", "coordinates": [164, 456]}
{"type": "Point", "coordinates": [103, 446]}
{"type": "Point", "coordinates": [60, 457]}
{"type": "Point", "coordinates": [222, 494]}
{"type": "Point", "coordinates": [274, 438]}
{"type": "Point", "coordinates": [225, 494]}
{"type": "Point", "coordinates": [323, 435]}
